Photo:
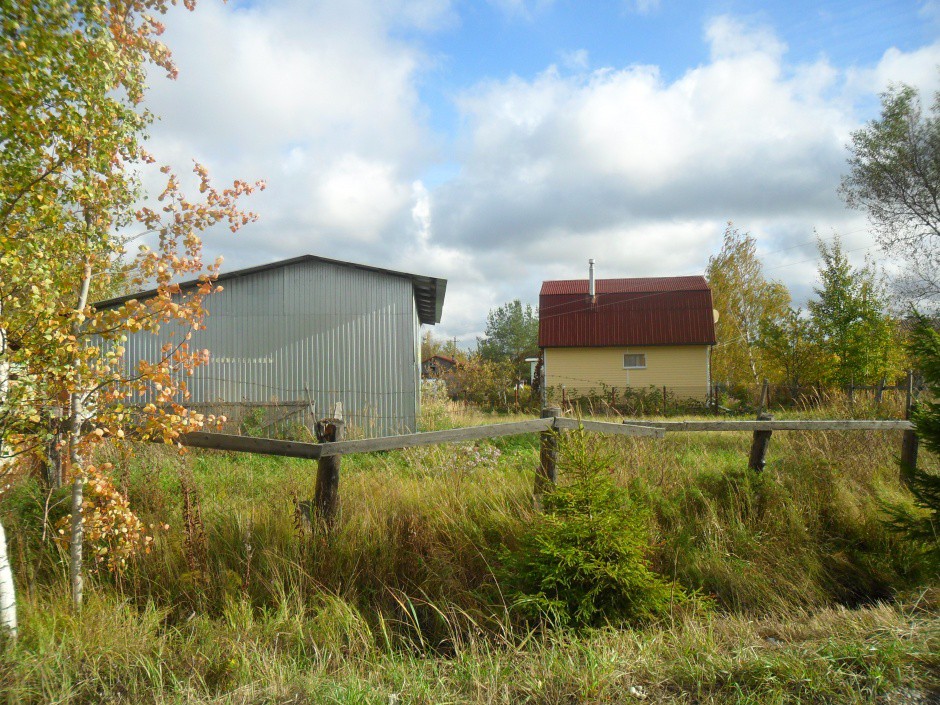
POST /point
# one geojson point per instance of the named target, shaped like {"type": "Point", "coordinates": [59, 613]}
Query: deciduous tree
{"type": "Point", "coordinates": [790, 349]}
{"type": "Point", "coordinates": [747, 302]}
{"type": "Point", "coordinates": [512, 333]}
{"type": "Point", "coordinates": [73, 82]}
{"type": "Point", "coordinates": [895, 177]}
{"type": "Point", "coordinates": [850, 320]}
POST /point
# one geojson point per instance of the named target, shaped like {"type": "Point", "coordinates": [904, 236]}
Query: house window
{"type": "Point", "coordinates": [634, 361]}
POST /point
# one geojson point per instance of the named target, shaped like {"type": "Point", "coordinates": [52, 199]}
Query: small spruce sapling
{"type": "Point", "coordinates": [922, 523]}
{"type": "Point", "coordinates": [583, 563]}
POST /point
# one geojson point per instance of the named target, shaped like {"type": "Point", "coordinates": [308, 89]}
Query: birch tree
{"type": "Point", "coordinates": [7, 589]}
{"type": "Point", "coordinates": [72, 134]}
{"type": "Point", "coordinates": [895, 178]}
{"type": "Point", "coordinates": [747, 302]}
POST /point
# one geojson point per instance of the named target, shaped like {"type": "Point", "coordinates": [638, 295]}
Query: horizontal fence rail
{"type": "Point", "coordinates": [652, 429]}
{"type": "Point", "coordinates": [294, 449]}
{"type": "Point", "coordinates": [782, 425]}
{"type": "Point", "coordinates": [328, 452]}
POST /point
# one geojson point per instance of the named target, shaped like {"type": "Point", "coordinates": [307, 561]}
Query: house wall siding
{"type": "Point", "coordinates": [682, 368]}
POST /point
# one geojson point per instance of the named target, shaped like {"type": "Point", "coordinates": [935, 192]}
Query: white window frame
{"type": "Point", "coordinates": [634, 367]}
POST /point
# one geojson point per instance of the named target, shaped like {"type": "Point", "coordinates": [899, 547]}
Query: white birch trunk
{"type": "Point", "coordinates": [76, 407]}
{"type": "Point", "coordinates": [7, 590]}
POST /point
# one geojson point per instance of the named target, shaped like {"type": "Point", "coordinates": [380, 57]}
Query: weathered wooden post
{"type": "Point", "coordinates": [547, 472]}
{"type": "Point", "coordinates": [909, 439]}
{"type": "Point", "coordinates": [326, 495]}
{"type": "Point", "coordinates": [880, 390]}
{"type": "Point", "coordinates": [761, 441]}
{"type": "Point", "coordinates": [759, 445]}
{"type": "Point", "coordinates": [664, 400]}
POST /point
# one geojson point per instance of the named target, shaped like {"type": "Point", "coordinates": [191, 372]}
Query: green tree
{"type": "Point", "coordinates": [746, 303]}
{"type": "Point", "coordinates": [895, 177]}
{"type": "Point", "coordinates": [583, 563]}
{"type": "Point", "coordinates": [512, 333]}
{"type": "Point", "coordinates": [857, 337]}
{"type": "Point", "coordinates": [790, 349]}
{"type": "Point", "coordinates": [921, 523]}
{"type": "Point", "coordinates": [72, 82]}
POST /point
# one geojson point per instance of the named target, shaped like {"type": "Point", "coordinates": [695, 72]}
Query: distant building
{"type": "Point", "coordinates": [437, 367]}
{"type": "Point", "coordinates": [622, 333]}
{"type": "Point", "coordinates": [312, 330]}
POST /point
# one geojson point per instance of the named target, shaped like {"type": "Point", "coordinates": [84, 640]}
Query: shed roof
{"type": "Point", "coordinates": [635, 311]}
{"type": "Point", "coordinates": [428, 291]}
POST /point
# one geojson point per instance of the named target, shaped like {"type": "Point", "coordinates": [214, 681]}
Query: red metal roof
{"type": "Point", "coordinates": [624, 286]}
{"type": "Point", "coordinates": [638, 311]}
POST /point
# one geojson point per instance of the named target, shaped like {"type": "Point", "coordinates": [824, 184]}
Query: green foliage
{"type": "Point", "coordinates": [490, 384]}
{"type": "Point", "coordinates": [746, 303]}
{"type": "Point", "coordinates": [402, 597]}
{"type": "Point", "coordinates": [584, 561]}
{"type": "Point", "coordinates": [512, 332]}
{"type": "Point", "coordinates": [790, 349]}
{"type": "Point", "coordinates": [895, 169]}
{"type": "Point", "coordinates": [922, 522]}
{"type": "Point", "coordinates": [856, 336]}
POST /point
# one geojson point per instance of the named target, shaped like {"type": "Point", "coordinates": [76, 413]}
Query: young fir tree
{"type": "Point", "coordinates": [583, 562]}
{"type": "Point", "coordinates": [922, 524]}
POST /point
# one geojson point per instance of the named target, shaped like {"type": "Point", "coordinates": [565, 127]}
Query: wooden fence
{"type": "Point", "coordinates": [332, 446]}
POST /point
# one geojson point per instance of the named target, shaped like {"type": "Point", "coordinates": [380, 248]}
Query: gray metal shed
{"type": "Point", "coordinates": [312, 331]}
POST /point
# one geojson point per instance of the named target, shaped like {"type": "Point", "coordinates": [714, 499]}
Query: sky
{"type": "Point", "coordinates": [499, 143]}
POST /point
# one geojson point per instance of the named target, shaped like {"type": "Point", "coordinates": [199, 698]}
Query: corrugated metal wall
{"type": "Point", "coordinates": [311, 330]}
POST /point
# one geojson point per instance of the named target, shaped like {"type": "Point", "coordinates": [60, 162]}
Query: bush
{"type": "Point", "coordinates": [583, 562]}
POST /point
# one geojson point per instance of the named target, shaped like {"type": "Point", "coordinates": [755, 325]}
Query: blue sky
{"type": "Point", "coordinates": [493, 40]}
{"type": "Point", "coordinates": [501, 143]}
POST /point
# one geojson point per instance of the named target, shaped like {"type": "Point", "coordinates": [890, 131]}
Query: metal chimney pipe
{"type": "Point", "coordinates": [591, 277]}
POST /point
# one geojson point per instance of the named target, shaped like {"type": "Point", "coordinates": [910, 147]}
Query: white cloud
{"type": "Point", "coordinates": [319, 100]}
{"type": "Point", "coordinates": [644, 7]}
{"type": "Point", "coordinates": [730, 36]}
{"type": "Point", "coordinates": [619, 163]}
{"type": "Point", "coordinates": [642, 173]}
{"type": "Point", "coordinates": [576, 59]}
{"type": "Point", "coordinates": [525, 9]}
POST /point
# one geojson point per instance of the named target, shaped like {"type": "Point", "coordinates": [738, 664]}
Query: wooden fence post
{"type": "Point", "coordinates": [547, 472]}
{"type": "Point", "coordinates": [664, 400]}
{"type": "Point", "coordinates": [759, 445]}
{"type": "Point", "coordinates": [909, 440]}
{"type": "Point", "coordinates": [880, 390]}
{"type": "Point", "coordinates": [326, 495]}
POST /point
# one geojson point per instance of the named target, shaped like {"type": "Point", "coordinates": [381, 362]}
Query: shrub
{"type": "Point", "coordinates": [583, 562]}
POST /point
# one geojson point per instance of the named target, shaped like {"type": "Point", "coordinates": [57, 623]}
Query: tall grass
{"type": "Point", "coordinates": [400, 598]}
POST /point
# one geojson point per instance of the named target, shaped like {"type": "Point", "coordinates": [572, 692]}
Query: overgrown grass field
{"type": "Point", "coordinates": [799, 593]}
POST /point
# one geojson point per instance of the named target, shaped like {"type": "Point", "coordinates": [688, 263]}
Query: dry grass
{"type": "Point", "coordinates": [401, 600]}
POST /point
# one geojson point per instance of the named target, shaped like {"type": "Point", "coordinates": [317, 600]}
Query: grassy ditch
{"type": "Point", "coordinates": [800, 593]}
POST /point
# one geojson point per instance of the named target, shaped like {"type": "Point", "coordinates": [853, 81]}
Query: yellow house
{"type": "Point", "coordinates": [615, 334]}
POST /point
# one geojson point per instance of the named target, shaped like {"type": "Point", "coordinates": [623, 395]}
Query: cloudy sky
{"type": "Point", "coordinates": [501, 143]}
